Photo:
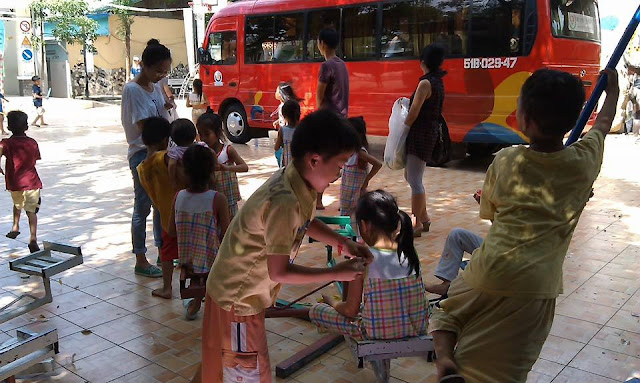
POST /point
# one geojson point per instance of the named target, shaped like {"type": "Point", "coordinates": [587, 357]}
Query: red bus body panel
{"type": "Point", "coordinates": [480, 104]}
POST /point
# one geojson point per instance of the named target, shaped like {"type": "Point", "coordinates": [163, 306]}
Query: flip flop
{"type": "Point", "coordinates": [186, 303]}
{"type": "Point", "coordinates": [33, 247]}
{"type": "Point", "coordinates": [453, 378]}
{"type": "Point", "coordinates": [151, 271]}
{"type": "Point", "coordinates": [13, 234]}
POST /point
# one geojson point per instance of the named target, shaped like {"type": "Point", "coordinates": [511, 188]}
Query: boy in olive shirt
{"type": "Point", "coordinates": [256, 254]}
{"type": "Point", "coordinates": [500, 309]}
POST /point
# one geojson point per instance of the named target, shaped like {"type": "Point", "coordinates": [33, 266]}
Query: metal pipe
{"type": "Point", "coordinates": [602, 81]}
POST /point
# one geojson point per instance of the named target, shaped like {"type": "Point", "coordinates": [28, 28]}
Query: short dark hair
{"type": "Point", "coordinates": [330, 37]}
{"type": "Point", "coordinates": [155, 53]}
{"type": "Point", "coordinates": [183, 132]}
{"type": "Point", "coordinates": [17, 121]}
{"type": "Point", "coordinates": [211, 121]}
{"type": "Point", "coordinates": [360, 126]}
{"type": "Point", "coordinates": [432, 56]}
{"type": "Point", "coordinates": [199, 164]}
{"type": "Point", "coordinates": [155, 130]}
{"type": "Point", "coordinates": [552, 100]}
{"type": "Point", "coordinates": [291, 111]}
{"type": "Point", "coordinates": [325, 133]}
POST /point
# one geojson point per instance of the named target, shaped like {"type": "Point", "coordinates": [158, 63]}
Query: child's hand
{"type": "Point", "coordinates": [276, 124]}
{"type": "Point", "coordinates": [477, 195]}
{"type": "Point", "coordinates": [612, 81]}
{"type": "Point", "coordinates": [349, 269]}
{"type": "Point", "coordinates": [358, 251]}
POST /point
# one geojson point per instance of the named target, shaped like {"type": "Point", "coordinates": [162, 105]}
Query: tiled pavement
{"type": "Point", "coordinates": [112, 330]}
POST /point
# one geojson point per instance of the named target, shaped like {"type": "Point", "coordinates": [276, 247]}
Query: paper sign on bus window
{"type": "Point", "coordinates": [580, 23]}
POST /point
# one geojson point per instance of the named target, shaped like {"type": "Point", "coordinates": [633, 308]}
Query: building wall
{"type": "Point", "coordinates": [111, 51]}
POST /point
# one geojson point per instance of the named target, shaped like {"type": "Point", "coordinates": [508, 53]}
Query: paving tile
{"type": "Point", "coordinates": [617, 340]}
{"type": "Point", "coordinates": [574, 375]}
{"type": "Point", "coordinates": [623, 271]}
{"type": "Point", "coordinates": [59, 375]}
{"type": "Point", "coordinates": [633, 304]}
{"type": "Point", "coordinates": [94, 315]}
{"type": "Point", "coordinates": [573, 329]}
{"type": "Point", "coordinates": [536, 377]}
{"type": "Point", "coordinates": [560, 350]}
{"type": "Point", "coordinates": [546, 368]}
{"type": "Point", "coordinates": [151, 374]}
{"type": "Point", "coordinates": [607, 363]}
{"type": "Point", "coordinates": [124, 329]}
{"type": "Point", "coordinates": [108, 365]}
{"type": "Point", "coordinates": [629, 257]}
{"type": "Point", "coordinates": [80, 345]}
{"type": "Point", "coordinates": [82, 276]}
{"type": "Point", "coordinates": [69, 302]}
{"type": "Point", "coordinates": [625, 320]}
{"type": "Point", "coordinates": [136, 301]}
{"type": "Point", "coordinates": [577, 309]}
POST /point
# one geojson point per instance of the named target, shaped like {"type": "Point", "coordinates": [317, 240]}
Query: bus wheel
{"type": "Point", "coordinates": [235, 124]}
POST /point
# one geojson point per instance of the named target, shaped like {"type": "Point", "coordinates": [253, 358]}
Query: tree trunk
{"type": "Point", "coordinates": [127, 54]}
{"type": "Point", "coordinates": [86, 73]}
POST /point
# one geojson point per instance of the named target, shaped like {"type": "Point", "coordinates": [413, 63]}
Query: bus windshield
{"type": "Point", "coordinates": [575, 19]}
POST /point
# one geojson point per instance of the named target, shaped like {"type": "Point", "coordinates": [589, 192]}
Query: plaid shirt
{"type": "Point", "coordinates": [352, 179]}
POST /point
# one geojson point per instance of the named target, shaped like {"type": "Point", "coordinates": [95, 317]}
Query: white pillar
{"type": "Point", "coordinates": [187, 14]}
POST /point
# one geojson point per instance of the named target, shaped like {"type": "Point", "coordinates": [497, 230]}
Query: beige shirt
{"type": "Point", "coordinates": [535, 200]}
{"type": "Point", "coordinates": [273, 221]}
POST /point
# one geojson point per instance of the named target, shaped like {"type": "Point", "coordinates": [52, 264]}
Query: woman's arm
{"type": "Point", "coordinates": [376, 165]}
{"type": "Point", "coordinates": [422, 94]}
{"type": "Point", "coordinates": [279, 140]}
{"type": "Point", "coordinates": [189, 105]}
{"type": "Point", "coordinates": [239, 165]}
{"type": "Point", "coordinates": [351, 307]}
{"type": "Point", "coordinates": [222, 208]}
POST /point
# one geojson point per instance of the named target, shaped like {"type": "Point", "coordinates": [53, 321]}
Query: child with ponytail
{"type": "Point", "coordinates": [391, 292]}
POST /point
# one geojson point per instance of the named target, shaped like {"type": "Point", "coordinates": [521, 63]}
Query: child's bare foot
{"type": "Point", "coordinates": [448, 371]}
{"type": "Point", "coordinates": [440, 289]}
{"type": "Point", "coordinates": [162, 293]}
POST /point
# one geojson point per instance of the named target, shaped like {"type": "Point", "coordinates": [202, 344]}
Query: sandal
{"type": "Point", "coordinates": [151, 271]}
{"type": "Point", "coordinates": [33, 247]}
{"type": "Point", "coordinates": [426, 226]}
{"type": "Point", "coordinates": [186, 303]}
{"type": "Point", "coordinates": [13, 234]}
{"type": "Point", "coordinates": [453, 378]}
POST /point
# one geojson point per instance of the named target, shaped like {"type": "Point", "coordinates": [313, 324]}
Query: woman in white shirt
{"type": "Point", "coordinates": [143, 98]}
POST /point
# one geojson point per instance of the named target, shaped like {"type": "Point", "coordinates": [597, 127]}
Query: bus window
{"type": "Point", "coordinates": [222, 48]}
{"type": "Point", "coordinates": [576, 19]}
{"type": "Point", "coordinates": [318, 20]}
{"type": "Point", "coordinates": [359, 32]}
{"type": "Point", "coordinates": [258, 36]}
{"type": "Point", "coordinates": [409, 26]}
{"type": "Point", "coordinates": [274, 38]}
{"type": "Point", "coordinates": [497, 28]}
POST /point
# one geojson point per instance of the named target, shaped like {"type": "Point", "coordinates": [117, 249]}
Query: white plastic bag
{"type": "Point", "coordinates": [394, 150]}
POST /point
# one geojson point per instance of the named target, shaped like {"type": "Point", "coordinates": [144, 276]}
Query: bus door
{"type": "Point", "coordinates": [219, 72]}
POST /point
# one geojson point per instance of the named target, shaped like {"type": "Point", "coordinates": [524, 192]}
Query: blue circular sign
{"type": "Point", "coordinates": [27, 54]}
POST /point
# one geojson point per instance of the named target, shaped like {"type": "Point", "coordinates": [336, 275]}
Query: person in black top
{"type": "Point", "coordinates": [37, 101]}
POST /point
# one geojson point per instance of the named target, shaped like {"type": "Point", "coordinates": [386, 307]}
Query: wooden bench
{"type": "Point", "coordinates": [380, 352]}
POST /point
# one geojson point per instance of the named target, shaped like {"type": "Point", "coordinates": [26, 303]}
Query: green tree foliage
{"type": "Point", "coordinates": [70, 22]}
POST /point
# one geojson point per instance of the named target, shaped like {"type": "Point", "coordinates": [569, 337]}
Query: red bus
{"type": "Point", "coordinates": [492, 46]}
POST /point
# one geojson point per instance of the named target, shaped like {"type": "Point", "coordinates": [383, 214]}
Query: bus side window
{"type": "Point", "coordinates": [222, 48]}
{"type": "Point", "coordinates": [409, 26]}
{"type": "Point", "coordinates": [497, 29]}
{"type": "Point", "coordinates": [318, 20]}
{"type": "Point", "coordinates": [288, 44]}
{"type": "Point", "coordinates": [258, 42]}
{"type": "Point", "coordinates": [359, 32]}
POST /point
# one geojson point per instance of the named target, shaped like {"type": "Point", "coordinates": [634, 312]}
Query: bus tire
{"type": "Point", "coordinates": [236, 126]}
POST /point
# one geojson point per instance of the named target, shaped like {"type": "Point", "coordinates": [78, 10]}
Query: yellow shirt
{"type": "Point", "coordinates": [154, 177]}
{"type": "Point", "coordinates": [535, 200]}
{"type": "Point", "coordinates": [274, 220]}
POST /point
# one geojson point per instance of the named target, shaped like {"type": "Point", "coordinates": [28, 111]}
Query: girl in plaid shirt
{"type": "Point", "coordinates": [199, 218]}
{"type": "Point", "coordinates": [357, 173]}
{"type": "Point", "coordinates": [389, 301]}
{"type": "Point", "coordinates": [229, 162]}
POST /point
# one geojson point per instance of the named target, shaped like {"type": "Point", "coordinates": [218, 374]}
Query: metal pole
{"type": "Point", "coordinates": [602, 82]}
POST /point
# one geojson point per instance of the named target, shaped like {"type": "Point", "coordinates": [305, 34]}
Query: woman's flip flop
{"type": "Point", "coordinates": [13, 234]}
{"type": "Point", "coordinates": [454, 378]}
